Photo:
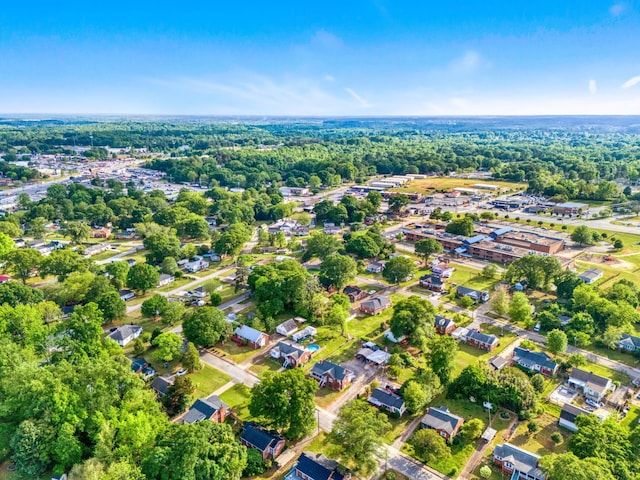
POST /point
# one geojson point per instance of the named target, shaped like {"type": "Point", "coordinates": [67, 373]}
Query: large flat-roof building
{"type": "Point", "coordinates": [570, 208]}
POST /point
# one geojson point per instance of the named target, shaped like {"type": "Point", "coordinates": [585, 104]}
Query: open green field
{"type": "Point", "coordinates": [238, 397]}
{"type": "Point", "coordinates": [238, 354]}
{"type": "Point", "coordinates": [540, 442]}
{"type": "Point", "coordinates": [265, 364]}
{"type": "Point", "coordinates": [471, 277]}
{"type": "Point", "coordinates": [208, 380]}
{"type": "Point", "coordinates": [432, 184]}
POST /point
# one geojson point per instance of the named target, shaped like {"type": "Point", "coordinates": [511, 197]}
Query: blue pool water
{"type": "Point", "coordinates": [313, 348]}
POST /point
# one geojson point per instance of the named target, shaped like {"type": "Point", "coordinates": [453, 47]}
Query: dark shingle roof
{"type": "Point", "coordinates": [123, 332]}
{"type": "Point", "coordinates": [375, 303]}
{"type": "Point", "coordinates": [162, 384]}
{"type": "Point", "coordinates": [482, 337]}
{"type": "Point", "coordinates": [630, 340]}
{"type": "Point", "coordinates": [444, 322]}
{"type": "Point", "coordinates": [318, 467]}
{"type": "Point", "coordinates": [203, 408]}
{"type": "Point", "coordinates": [470, 292]}
{"type": "Point", "coordinates": [292, 349]}
{"type": "Point", "coordinates": [531, 358]}
{"type": "Point", "coordinates": [570, 412]}
{"type": "Point", "coordinates": [387, 398]}
{"type": "Point", "coordinates": [589, 377]}
{"type": "Point", "coordinates": [441, 419]}
{"type": "Point", "coordinates": [336, 371]}
{"type": "Point", "coordinates": [523, 461]}
{"type": "Point", "coordinates": [258, 437]}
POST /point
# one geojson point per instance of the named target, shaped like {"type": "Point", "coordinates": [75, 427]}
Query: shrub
{"type": "Point", "coordinates": [556, 437]}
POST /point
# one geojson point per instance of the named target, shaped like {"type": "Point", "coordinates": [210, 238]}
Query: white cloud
{"type": "Point", "coordinates": [593, 88]}
{"type": "Point", "coordinates": [617, 9]}
{"type": "Point", "coordinates": [469, 62]}
{"type": "Point", "coordinates": [631, 82]}
{"type": "Point", "coordinates": [326, 40]}
{"type": "Point", "coordinates": [364, 103]}
{"type": "Point", "coordinates": [329, 78]}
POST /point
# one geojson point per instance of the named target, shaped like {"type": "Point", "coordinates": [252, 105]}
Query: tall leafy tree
{"type": "Point", "coordinates": [337, 270]}
{"type": "Point", "coordinates": [413, 317]}
{"type": "Point", "coordinates": [398, 269]}
{"type": "Point", "coordinates": [206, 326]}
{"type": "Point", "coordinates": [286, 401]}
{"type": "Point", "coordinates": [427, 247]}
{"type": "Point", "coordinates": [442, 357]}
{"type": "Point", "coordinates": [358, 431]}
{"type": "Point", "coordinates": [143, 277]}
{"type": "Point", "coordinates": [24, 263]}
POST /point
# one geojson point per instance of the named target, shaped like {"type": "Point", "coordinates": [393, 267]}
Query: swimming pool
{"type": "Point", "coordinates": [313, 348]}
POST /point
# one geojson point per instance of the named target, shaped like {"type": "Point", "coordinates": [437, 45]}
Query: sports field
{"type": "Point", "coordinates": [434, 184]}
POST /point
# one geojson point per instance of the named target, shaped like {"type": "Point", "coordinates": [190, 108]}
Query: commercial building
{"type": "Point", "coordinates": [570, 208]}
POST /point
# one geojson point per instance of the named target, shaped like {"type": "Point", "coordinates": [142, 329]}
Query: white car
{"type": "Point", "coordinates": [181, 372]}
{"type": "Point", "coordinates": [371, 292]}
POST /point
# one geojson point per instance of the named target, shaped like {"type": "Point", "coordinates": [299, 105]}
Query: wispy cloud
{"type": "Point", "coordinates": [617, 9]}
{"type": "Point", "coordinates": [631, 82]}
{"type": "Point", "coordinates": [329, 78]}
{"type": "Point", "coordinates": [326, 40]}
{"type": "Point", "coordinates": [593, 87]}
{"type": "Point", "coordinates": [458, 102]}
{"type": "Point", "coordinates": [468, 62]}
{"type": "Point", "coordinates": [364, 103]}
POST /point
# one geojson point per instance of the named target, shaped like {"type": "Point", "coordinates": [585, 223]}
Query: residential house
{"type": "Point", "coordinates": [125, 235]}
{"type": "Point", "coordinates": [389, 401]}
{"type": "Point", "coordinates": [354, 293]}
{"type": "Point", "coordinates": [591, 385]}
{"type": "Point", "coordinates": [316, 467]}
{"type": "Point", "coordinates": [125, 334]}
{"type": "Point", "coordinates": [497, 362]}
{"type": "Point", "coordinates": [538, 362]}
{"type": "Point", "coordinates": [331, 228]}
{"type": "Point", "coordinates": [476, 295]}
{"type": "Point", "coordinates": [375, 267]}
{"type": "Point", "coordinates": [287, 328]}
{"type": "Point", "coordinates": [375, 305]}
{"type": "Point", "coordinates": [96, 249]}
{"type": "Point", "coordinates": [126, 294]}
{"type": "Point", "coordinates": [165, 280]}
{"type": "Point", "coordinates": [211, 408]}
{"type": "Point", "coordinates": [306, 332]}
{"type": "Point", "coordinates": [196, 265]}
{"type": "Point", "coordinates": [568, 416]}
{"type": "Point", "coordinates": [331, 375]}
{"type": "Point", "coordinates": [480, 340]}
{"type": "Point", "coordinates": [250, 336]}
{"type": "Point", "coordinates": [629, 343]}
{"type": "Point", "coordinates": [517, 463]}
{"type": "Point", "coordinates": [138, 365]}
{"type": "Point", "coordinates": [269, 443]}
{"type": "Point", "coordinates": [197, 293]}
{"type": "Point", "coordinates": [161, 384]}
{"type": "Point", "coordinates": [433, 283]}
{"type": "Point", "coordinates": [290, 354]}
{"type": "Point", "coordinates": [101, 232]}
{"type": "Point", "coordinates": [591, 275]}
{"type": "Point", "coordinates": [442, 269]}
{"type": "Point", "coordinates": [442, 421]}
{"type": "Point", "coordinates": [444, 325]}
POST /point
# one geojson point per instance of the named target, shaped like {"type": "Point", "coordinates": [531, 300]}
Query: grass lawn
{"type": "Point", "coordinates": [469, 355]}
{"type": "Point", "coordinates": [399, 426]}
{"type": "Point", "coordinates": [431, 184]}
{"type": "Point", "coordinates": [626, 358]}
{"type": "Point", "coordinates": [177, 283]}
{"type": "Point", "coordinates": [237, 354]}
{"type": "Point", "coordinates": [631, 420]}
{"type": "Point", "coordinates": [265, 364]}
{"type": "Point", "coordinates": [208, 380]}
{"type": "Point", "coordinates": [325, 396]}
{"type": "Point", "coordinates": [603, 371]}
{"type": "Point", "coordinates": [471, 277]}
{"type": "Point", "coordinates": [237, 397]}
{"type": "Point", "coordinates": [540, 442]}
{"type": "Point", "coordinates": [366, 327]}
{"type": "Point", "coordinates": [106, 255]}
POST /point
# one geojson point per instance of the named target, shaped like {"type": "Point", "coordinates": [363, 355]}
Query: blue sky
{"type": "Point", "coordinates": [376, 57]}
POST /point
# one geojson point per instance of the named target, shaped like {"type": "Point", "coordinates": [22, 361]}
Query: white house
{"type": "Point", "coordinates": [287, 328]}
{"type": "Point", "coordinates": [254, 338]}
{"type": "Point", "coordinates": [125, 334]}
{"type": "Point", "coordinates": [591, 385]}
{"type": "Point", "coordinates": [166, 280]}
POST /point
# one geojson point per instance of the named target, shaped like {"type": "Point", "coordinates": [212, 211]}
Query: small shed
{"type": "Point", "coordinates": [488, 434]}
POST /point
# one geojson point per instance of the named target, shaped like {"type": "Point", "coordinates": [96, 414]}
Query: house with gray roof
{"type": "Point", "coordinates": [269, 443]}
{"type": "Point", "coordinates": [591, 385]}
{"type": "Point", "coordinates": [332, 375]}
{"type": "Point", "coordinates": [287, 328]}
{"type": "Point", "coordinates": [125, 334]}
{"type": "Point", "coordinates": [211, 408]}
{"type": "Point", "coordinates": [442, 421]}
{"type": "Point", "coordinates": [568, 416]}
{"type": "Point", "coordinates": [591, 275]}
{"type": "Point", "coordinates": [161, 384]}
{"type": "Point", "coordinates": [629, 343]}
{"type": "Point", "coordinates": [517, 463]}
{"type": "Point", "coordinates": [310, 466]}
{"type": "Point", "coordinates": [476, 295]}
{"type": "Point", "coordinates": [391, 402]}
{"type": "Point", "coordinates": [483, 341]}
{"type": "Point", "coordinates": [375, 305]}
{"type": "Point", "coordinates": [290, 354]}
{"type": "Point", "coordinates": [538, 362]}
{"type": "Point", "coordinates": [250, 336]}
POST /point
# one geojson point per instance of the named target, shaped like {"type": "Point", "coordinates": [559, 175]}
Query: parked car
{"type": "Point", "coordinates": [593, 403]}
{"type": "Point", "coordinates": [181, 372]}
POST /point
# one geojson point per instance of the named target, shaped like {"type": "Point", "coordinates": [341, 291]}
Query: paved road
{"type": "Point", "coordinates": [188, 286]}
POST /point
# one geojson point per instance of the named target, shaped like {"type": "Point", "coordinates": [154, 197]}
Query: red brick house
{"type": "Point", "coordinates": [480, 340]}
{"type": "Point", "coordinates": [444, 325]}
{"type": "Point", "coordinates": [517, 463]}
{"type": "Point", "coordinates": [212, 409]}
{"type": "Point", "coordinates": [354, 293]}
{"type": "Point", "coordinates": [269, 443]}
{"type": "Point", "coordinates": [290, 354]}
{"type": "Point", "coordinates": [375, 305]}
{"type": "Point", "coordinates": [331, 375]}
{"type": "Point", "coordinates": [442, 421]}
